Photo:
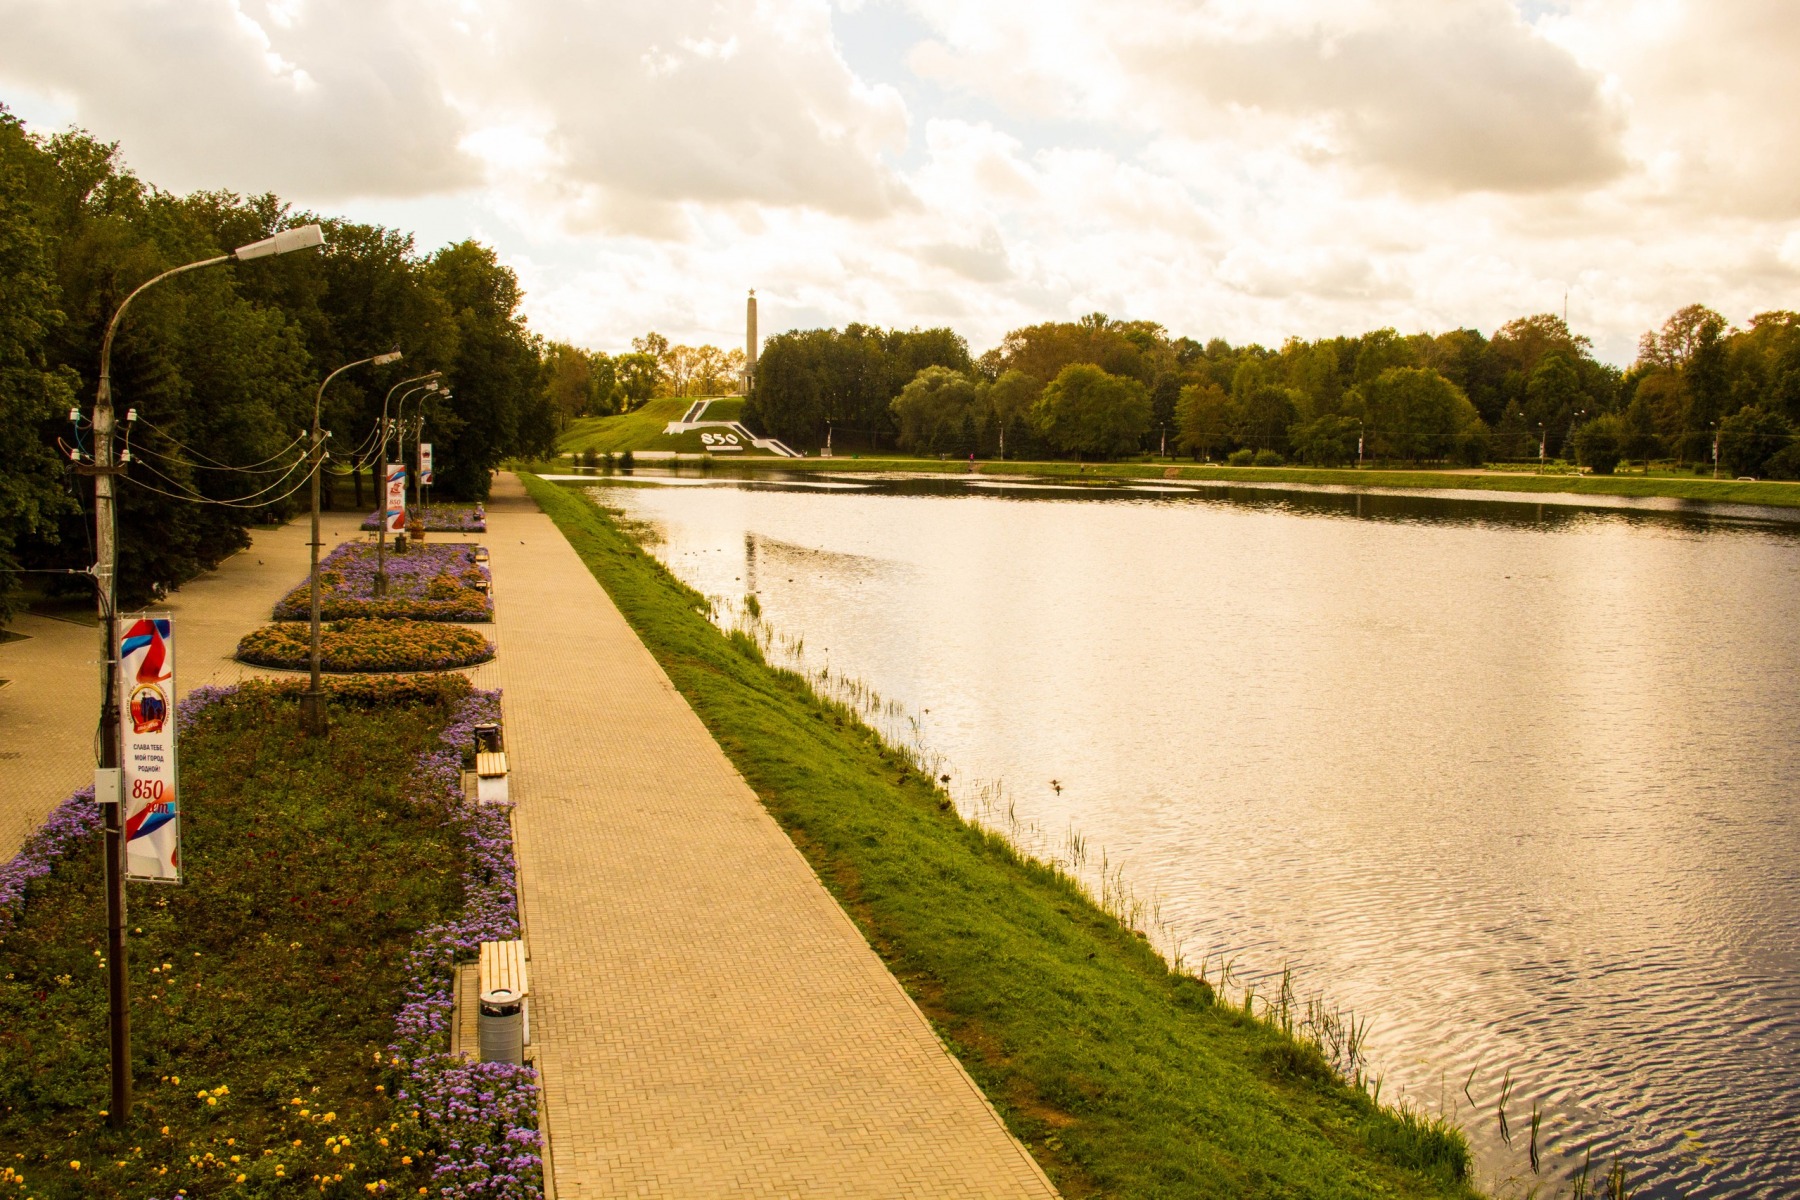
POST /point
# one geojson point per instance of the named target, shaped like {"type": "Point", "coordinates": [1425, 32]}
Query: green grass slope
{"type": "Point", "coordinates": [1124, 1078]}
{"type": "Point", "coordinates": [642, 429]}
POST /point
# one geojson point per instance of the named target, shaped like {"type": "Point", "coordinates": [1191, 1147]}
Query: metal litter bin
{"type": "Point", "coordinates": [502, 1026]}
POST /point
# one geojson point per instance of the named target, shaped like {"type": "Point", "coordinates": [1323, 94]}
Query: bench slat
{"type": "Point", "coordinates": [490, 763]}
{"type": "Point", "coordinates": [503, 966]}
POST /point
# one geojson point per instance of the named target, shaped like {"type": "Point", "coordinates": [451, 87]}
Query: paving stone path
{"type": "Point", "coordinates": [708, 1021]}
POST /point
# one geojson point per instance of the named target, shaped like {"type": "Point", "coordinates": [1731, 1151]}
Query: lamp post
{"type": "Point", "coordinates": [418, 431]}
{"type": "Point", "coordinates": [381, 494]}
{"type": "Point", "coordinates": [312, 702]}
{"type": "Point", "coordinates": [106, 585]}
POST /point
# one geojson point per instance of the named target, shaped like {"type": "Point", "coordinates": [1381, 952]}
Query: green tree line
{"type": "Point", "coordinates": [222, 366]}
{"type": "Point", "coordinates": [1102, 388]}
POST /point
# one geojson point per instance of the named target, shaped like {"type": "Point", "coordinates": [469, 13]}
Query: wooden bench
{"type": "Point", "coordinates": [503, 979]}
{"type": "Point", "coordinates": [490, 777]}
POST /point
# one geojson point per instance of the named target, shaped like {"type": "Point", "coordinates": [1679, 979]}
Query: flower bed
{"type": "Point", "coordinates": [441, 518]}
{"type": "Point", "coordinates": [366, 646]}
{"type": "Point", "coordinates": [440, 582]}
{"type": "Point", "coordinates": [298, 917]}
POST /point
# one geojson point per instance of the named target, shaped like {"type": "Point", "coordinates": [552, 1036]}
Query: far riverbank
{"type": "Point", "coordinates": [1768, 493]}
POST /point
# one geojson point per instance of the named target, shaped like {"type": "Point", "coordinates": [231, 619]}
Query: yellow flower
{"type": "Point", "coordinates": [406, 1160]}
{"type": "Point", "coordinates": [384, 1141]}
{"type": "Point", "coordinates": [213, 1100]}
{"type": "Point", "coordinates": [175, 1079]}
{"type": "Point", "coordinates": [241, 1178]}
{"type": "Point", "coordinates": [74, 1164]}
{"type": "Point", "coordinates": [165, 1130]}
{"type": "Point", "coordinates": [335, 1149]}
{"type": "Point", "coordinates": [295, 1100]}
{"type": "Point", "coordinates": [235, 1157]}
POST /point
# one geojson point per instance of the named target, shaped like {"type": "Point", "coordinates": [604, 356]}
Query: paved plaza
{"type": "Point", "coordinates": [708, 1021]}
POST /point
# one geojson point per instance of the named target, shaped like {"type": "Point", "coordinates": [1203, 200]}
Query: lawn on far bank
{"type": "Point", "coordinates": [1122, 1077]}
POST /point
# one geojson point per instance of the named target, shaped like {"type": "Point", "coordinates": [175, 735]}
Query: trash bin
{"type": "Point", "coordinates": [502, 1027]}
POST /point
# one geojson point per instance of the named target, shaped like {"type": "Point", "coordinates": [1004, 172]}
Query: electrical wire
{"type": "Point", "coordinates": [202, 498]}
{"type": "Point", "coordinates": [304, 480]}
{"type": "Point", "coordinates": [213, 464]}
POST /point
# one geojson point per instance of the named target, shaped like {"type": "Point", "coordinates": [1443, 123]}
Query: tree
{"type": "Point", "coordinates": [1600, 443]}
{"type": "Point", "coordinates": [1324, 441]}
{"type": "Point", "coordinates": [1750, 438]}
{"type": "Point", "coordinates": [568, 381]}
{"type": "Point", "coordinates": [1414, 413]}
{"type": "Point", "coordinates": [1086, 410]}
{"type": "Point", "coordinates": [1203, 418]}
{"type": "Point", "coordinates": [1009, 398]}
{"type": "Point", "coordinates": [639, 376]}
{"type": "Point", "coordinates": [812, 381]}
{"type": "Point", "coordinates": [1639, 421]}
{"type": "Point", "coordinates": [936, 409]}
{"type": "Point", "coordinates": [32, 391]}
{"type": "Point", "coordinates": [498, 407]}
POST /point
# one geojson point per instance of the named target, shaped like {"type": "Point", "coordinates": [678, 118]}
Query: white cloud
{"type": "Point", "coordinates": [1240, 168]}
{"type": "Point", "coordinates": [318, 101]}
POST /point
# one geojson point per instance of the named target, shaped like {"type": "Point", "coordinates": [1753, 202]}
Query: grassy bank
{"type": "Point", "coordinates": [265, 988]}
{"type": "Point", "coordinates": [1769, 493]}
{"type": "Point", "coordinates": [1123, 1078]}
{"type": "Point", "coordinates": [641, 429]}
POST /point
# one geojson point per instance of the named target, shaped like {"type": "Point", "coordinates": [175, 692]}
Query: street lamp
{"type": "Point", "coordinates": [106, 585]}
{"type": "Point", "coordinates": [418, 430]}
{"type": "Point", "coordinates": [312, 703]}
{"type": "Point", "coordinates": [381, 494]}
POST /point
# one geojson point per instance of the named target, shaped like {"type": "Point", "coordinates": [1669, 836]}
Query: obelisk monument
{"type": "Point", "coordinates": [750, 342]}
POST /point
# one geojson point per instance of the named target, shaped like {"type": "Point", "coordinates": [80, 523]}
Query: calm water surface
{"type": "Point", "coordinates": [1518, 782]}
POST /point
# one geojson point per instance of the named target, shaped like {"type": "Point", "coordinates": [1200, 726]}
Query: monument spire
{"type": "Point", "coordinates": [750, 342]}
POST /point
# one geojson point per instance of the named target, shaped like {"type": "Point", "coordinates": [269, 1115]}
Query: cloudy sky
{"type": "Point", "coordinates": [1247, 169]}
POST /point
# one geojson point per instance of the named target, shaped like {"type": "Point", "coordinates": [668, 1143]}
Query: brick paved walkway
{"type": "Point", "coordinates": [708, 1021]}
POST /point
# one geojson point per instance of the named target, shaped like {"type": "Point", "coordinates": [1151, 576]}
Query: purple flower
{"type": "Point", "coordinates": [430, 582]}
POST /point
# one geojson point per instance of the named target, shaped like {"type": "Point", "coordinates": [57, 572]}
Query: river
{"type": "Point", "coordinates": [1515, 781]}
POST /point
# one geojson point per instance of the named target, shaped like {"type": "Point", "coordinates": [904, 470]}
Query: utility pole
{"type": "Point", "coordinates": [108, 790]}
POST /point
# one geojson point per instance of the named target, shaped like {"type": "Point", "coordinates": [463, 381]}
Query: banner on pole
{"type": "Point", "coordinates": [147, 747]}
{"type": "Point", "coordinates": [396, 498]}
{"type": "Point", "coordinates": [424, 464]}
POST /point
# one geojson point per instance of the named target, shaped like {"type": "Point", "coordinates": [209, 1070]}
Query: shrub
{"type": "Point", "coordinates": [1786, 464]}
{"type": "Point", "coordinates": [372, 646]}
{"type": "Point", "coordinates": [1267, 458]}
{"type": "Point", "coordinates": [1600, 444]}
{"type": "Point", "coordinates": [1240, 458]}
{"type": "Point", "coordinates": [589, 458]}
{"type": "Point", "coordinates": [1750, 438]}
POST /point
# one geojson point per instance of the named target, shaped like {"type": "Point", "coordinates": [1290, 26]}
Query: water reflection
{"type": "Point", "coordinates": [1517, 780]}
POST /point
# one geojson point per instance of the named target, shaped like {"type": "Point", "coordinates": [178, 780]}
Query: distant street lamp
{"type": "Point", "coordinates": [381, 495]}
{"type": "Point", "coordinates": [433, 388]}
{"type": "Point", "coordinates": [312, 703]}
{"type": "Point", "coordinates": [106, 584]}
